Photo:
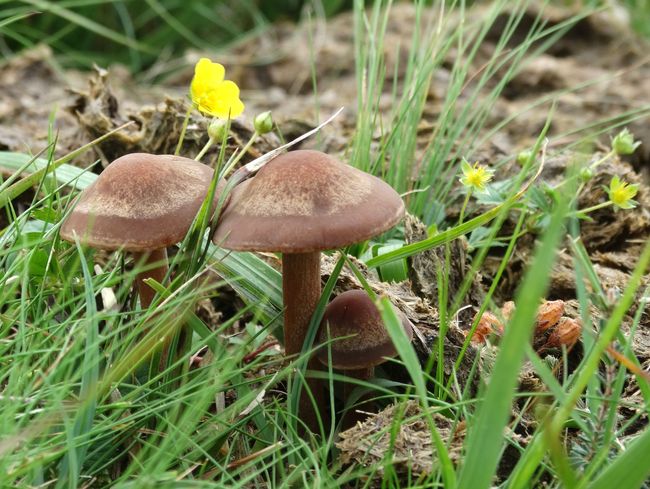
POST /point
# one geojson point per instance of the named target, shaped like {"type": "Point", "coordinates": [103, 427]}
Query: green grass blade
{"type": "Point", "coordinates": [89, 24]}
{"type": "Point", "coordinates": [22, 185]}
{"type": "Point", "coordinates": [15, 18]}
{"type": "Point", "coordinates": [71, 464]}
{"type": "Point", "coordinates": [66, 174]}
{"type": "Point", "coordinates": [590, 365]}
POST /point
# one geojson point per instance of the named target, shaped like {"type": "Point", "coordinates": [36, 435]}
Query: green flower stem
{"type": "Point", "coordinates": [602, 160]}
{"type": "Point", "coordinates": [183, 130]}
{"type": "Point", "coordinates": [593, 166]}
{"type": "Point", "coordinates": [204, 150]}
{"type": "Point", "coordinates": [592, 208]}
{"type": "Point", "coordinates": [462, 210]}
{"type": "Point", "coordinates": [244, 150]}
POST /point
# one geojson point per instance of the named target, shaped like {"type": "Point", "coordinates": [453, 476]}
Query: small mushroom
{"type": "Point", "coordinates": [360, 341]}
{"type": "Point", "coordinates": [299, 204]}
{"type": "Point", "coordinates": [140, 203]}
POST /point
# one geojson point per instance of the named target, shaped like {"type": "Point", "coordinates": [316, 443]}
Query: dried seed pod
{"type": "Point", "coordinates": [548, 314]}
{"type": "Point", "coordinates": [566, 333]}
{"type": "Point", "coordinates": [487, 325]}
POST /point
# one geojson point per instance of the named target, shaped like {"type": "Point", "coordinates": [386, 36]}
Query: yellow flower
{"type": "Point", "coordinates": [622, 193]}
{"type": "Point", "coordinates": [475, 177]}
{"type": "Point", "coordinates": [213, 95]}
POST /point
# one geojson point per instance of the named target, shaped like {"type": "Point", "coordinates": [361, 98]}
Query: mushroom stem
{"type": "Point", "coordinates": [362, 404]}
{"type": "Point", "coordinates": [360, 374]}
{"type": "Point", "coordinates": [301, 291]}
{"type": "Point", "coordinates": [155, 266]}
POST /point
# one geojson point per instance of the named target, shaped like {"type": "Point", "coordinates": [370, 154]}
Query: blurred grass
{"type": "Point", "coordinates": [138, 33]}
{"type": "Point", "coordinates": [639, 11]}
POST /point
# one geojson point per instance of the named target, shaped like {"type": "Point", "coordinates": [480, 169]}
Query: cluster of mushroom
{"type": "Point", "coordinates": [299, 204]}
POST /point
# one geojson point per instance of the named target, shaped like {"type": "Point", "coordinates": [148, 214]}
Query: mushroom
{"type": "Point", "coordinates": [299, 204]}
{"type": "Point", "coordinates": [360, 341]}
{"type": "Point", "coordinates": [140, 203]}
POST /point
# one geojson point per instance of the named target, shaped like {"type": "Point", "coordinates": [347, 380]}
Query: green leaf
{"type": "Point", "coordinates": [395, 271]}
{"type": "Point", "coordinates": [66, 174]}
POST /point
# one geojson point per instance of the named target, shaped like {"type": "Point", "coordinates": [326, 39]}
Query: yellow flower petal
{"type": "Point", "coordinates": [223, 101]}
{"type": "Point", "coordinates": [621, 193]}
{"type": "Point", "coordinates": [207, 76]}
{"type": "Point", "coordinates": [475, 177]}
{"type": "Point", "coordinates": [208, 68]}
{"type": "Point", "coordinates": [213, 95]}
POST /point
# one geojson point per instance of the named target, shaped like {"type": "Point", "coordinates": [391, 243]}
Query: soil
{"type": "Point", "coordinates": [597, 71]}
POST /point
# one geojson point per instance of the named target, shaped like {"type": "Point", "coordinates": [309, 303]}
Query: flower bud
{"type": "Point", "coordinates": [216, 129]}
{"type": "Point", "coordinates": [263, 122]}
{"type": "Point", "coordinates": [524, 156]}
{"type": "Point", "coordinates": [624, 144]}
{"type": "Point", "coordinates": [586, 174]}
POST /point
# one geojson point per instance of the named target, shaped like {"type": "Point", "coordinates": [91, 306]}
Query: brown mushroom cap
{"type": "Point", "coordinates": [139, 202]}
{"type": "Point", "coordinates": [366, 343]}
{"type": "Point", "coordinates": [306, 201]}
